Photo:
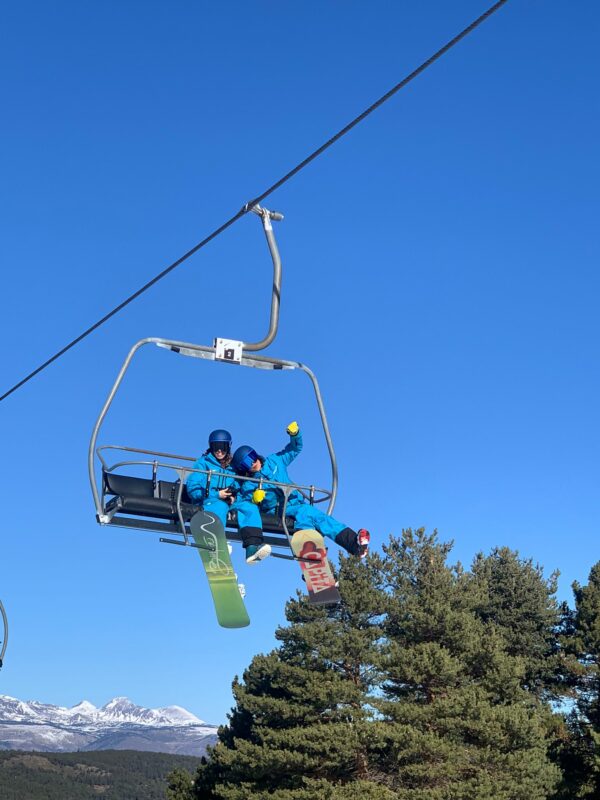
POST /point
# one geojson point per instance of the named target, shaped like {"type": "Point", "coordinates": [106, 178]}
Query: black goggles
{"type": "Point", "coordinates": [222, 446]}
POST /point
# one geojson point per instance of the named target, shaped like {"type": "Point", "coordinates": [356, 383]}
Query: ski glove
{"type": "Point", "coordinates": [292, 428]}
{"type": "Point", "coordinates": [258, 495]}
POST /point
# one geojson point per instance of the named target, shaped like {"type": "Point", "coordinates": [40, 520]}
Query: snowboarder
{"type": "Point", "coordinates": [247, 462]}
{"type": "Point", "coordinates": [221, 496]}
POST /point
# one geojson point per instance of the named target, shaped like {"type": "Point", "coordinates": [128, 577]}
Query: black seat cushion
{"type": "Point", "coordinates": [136, 496]}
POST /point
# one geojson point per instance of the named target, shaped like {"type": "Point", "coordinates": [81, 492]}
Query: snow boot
{"type": "Point", "coordinates": [363, 538]}
{"type": "Point", "coordinates": [253, 544]}
{"type": "Point", "coordinates": [354, 543]}
{"type": "Point", "coordinates": [256, 552]}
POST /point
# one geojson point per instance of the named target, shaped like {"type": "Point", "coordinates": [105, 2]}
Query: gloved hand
{"type": "Point", "coordinates": [292, 428]}
{"type": "Point", "coordinates": [258, 495]}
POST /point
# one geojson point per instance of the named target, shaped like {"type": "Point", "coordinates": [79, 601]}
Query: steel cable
{"type": "Point", "coordinates": [247, 206]}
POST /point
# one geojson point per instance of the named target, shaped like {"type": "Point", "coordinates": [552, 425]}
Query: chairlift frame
{"type": "Point", "coordinates": [4, 640]}
{"type": "Point", "coordinates": [111, 512]}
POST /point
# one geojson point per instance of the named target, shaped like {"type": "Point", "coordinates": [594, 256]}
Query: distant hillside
{"type": "Point", "coordinates": [106, 774]}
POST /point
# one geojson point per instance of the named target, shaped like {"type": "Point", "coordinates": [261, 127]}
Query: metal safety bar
{"type": "Point", "coordinates": [208, 472]}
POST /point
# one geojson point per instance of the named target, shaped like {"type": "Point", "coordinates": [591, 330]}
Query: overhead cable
{"type": "Point", "coordinates": [248, 206]}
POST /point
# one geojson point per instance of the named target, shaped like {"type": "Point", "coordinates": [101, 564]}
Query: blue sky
{"type": "Point", "coordinates": [440, 278]}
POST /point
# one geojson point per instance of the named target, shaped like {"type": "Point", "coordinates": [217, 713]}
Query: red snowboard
{"type": "Point", "coordinates": [316, 568]}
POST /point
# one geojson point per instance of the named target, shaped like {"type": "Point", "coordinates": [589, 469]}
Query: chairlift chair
{"type": "Point", "coordinates": [159, 502]}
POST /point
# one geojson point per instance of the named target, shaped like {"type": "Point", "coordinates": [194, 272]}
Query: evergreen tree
{"type": "Point", "coordinates": [457, 721]}
{"type": "Point", "coordinates": [520, 603]}
{"type": "Point", "coordinates": [300, 729]}
{"type": "Point", "coordinates": [180, 785]}
{"type": "Point", "coordinates": [581, 754]}
{"type": "Point", "coordinates": [411, 689]}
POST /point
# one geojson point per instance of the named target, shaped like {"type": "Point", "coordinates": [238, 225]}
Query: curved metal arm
{"type": "Point", "coordinates": [5, 640]}
{"type": "Point", "coordinates": [266, 217]}
{"type": "Point", "coordinates": [325, 424]}
{"type": "Point", "coordinates": [103, 413]}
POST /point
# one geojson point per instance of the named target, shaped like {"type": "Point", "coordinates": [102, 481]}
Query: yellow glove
{"type": "Point", "coordinates": [292, 428]}
{"type": "Point", "coordinates": [258, 495]}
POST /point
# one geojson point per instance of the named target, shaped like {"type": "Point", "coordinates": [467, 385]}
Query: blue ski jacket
{"type": "Point", "coordinates": [196, 482]}
{"type": "Point", "coordinates": [275, 468]}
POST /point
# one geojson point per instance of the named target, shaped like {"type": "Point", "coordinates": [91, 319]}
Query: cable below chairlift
{"type": "Point", "coordinates": [160, 505]}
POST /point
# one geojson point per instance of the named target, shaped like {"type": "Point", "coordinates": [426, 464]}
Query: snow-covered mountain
{"type": "Point", "coordinates": [118, 725]}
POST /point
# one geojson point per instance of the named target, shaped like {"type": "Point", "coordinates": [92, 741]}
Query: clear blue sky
{"type": "Point", "coordinates": [440, 277]}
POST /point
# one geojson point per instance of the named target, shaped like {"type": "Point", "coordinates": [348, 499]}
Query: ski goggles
{"type": "Point", "coordinates": [215, 447]}
{"type": "Point", "coordinates": [247, 461]}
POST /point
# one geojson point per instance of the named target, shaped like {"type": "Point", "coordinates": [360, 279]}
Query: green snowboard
{"type": "Point", "coordinates": [207, 530]}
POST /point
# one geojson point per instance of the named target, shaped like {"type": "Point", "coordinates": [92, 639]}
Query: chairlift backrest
{"type": "Point", "coordinates": [126, 485]}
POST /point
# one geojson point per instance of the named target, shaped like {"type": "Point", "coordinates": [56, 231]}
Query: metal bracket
{"type": "Point", "coordinates": [295, 558]}
{"type": "Point", "coordinates": [188, 544]}
{"type": "Point", "coordinates": [228, 350]}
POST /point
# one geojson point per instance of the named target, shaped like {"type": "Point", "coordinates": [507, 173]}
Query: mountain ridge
{"type": "Point", "coordinates": [118, 725]}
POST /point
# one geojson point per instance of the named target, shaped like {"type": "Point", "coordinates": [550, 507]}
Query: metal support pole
{"type": "Point", "coordinates": [4, 641]}
{"type": "Point", "coordinates": [266, 217]}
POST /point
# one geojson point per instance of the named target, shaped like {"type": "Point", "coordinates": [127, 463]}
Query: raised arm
{"type": "Point", "coordinates": [294, 446]}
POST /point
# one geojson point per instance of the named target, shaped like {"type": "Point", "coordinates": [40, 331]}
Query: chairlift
{"type": "Point", "coordinates": [159, 502]}
{"type": "Point", "coordinates": [4, 639]}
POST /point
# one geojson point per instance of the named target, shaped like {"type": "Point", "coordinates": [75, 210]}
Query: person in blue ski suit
{"type": "Point", "coordinates": [247, 462]}
{"type": "Point", "coordinates": [221, 495]}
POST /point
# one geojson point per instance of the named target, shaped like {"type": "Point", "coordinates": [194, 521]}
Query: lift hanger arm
{"type": "Point", "coordinates": [266, 217]}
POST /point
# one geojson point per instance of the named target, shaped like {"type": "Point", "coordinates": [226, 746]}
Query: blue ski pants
{"type": "Point", "coordinates": [247, 513]}
{"type": "Point", "coordinates": [307, 517]}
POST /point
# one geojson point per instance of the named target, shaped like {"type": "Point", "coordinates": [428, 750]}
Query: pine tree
{"type": "Point", "coordinates": [520, 603]}
{"type": "Point", "coordinates": [457, 722]}
{"type": "Point", "coordinates": [407, 690]}
{"type": "Point", "coordinates": [300, 729]}
{"type": "Point", "coordinates": [180, 785]}
{"type": "Point", "coordinates": [581, 755]}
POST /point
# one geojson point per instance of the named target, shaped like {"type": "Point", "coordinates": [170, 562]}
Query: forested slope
{"type": "Point", "coordinates": [109, 774]}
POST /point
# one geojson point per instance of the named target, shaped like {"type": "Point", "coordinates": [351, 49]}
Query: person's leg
{"type": "Point", "coordinates": [307, 516]}
{"type": "Point", "coordinates": [218, 507]}
{"type": "Point", "coordinates": [250, 528]}
{"type": "Point", "coordinates": [357, 544]}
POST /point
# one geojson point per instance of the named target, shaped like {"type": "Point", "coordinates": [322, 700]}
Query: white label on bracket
{"type": "Point", "coordinates": [228, 350]}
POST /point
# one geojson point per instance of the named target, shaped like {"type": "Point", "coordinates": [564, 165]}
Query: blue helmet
{"type": "Point", "coordinates": [243, 458]}
{"type": "Point", "coordinates": [219, 437]}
